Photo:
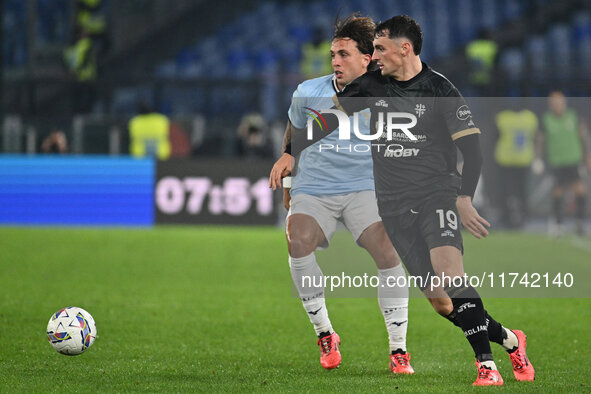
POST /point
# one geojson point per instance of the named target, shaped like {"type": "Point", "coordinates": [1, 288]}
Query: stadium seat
{"type": "Point", "coordinates": [582, 25]}
{"type": "Point", "coordinates": [166, 70]}
{"type": "Point", "coordinates": [53, 22]}
{"type": "Point", "coordinates": [126, 100]}
{"type": "Point", "coordinates": [559, 37]}
{"type": "Point", "coordinates": [294, 23]}
{"type": "Point", "coordinates": [537, 52]}
{"type": "Point", "coordinates": [584, 53]}
{"type": "Point", "coordinates": [15, 42]}
{"type": "Point", "coordinates": [512, 64]}
{"type": "Point", "coordinates": [512, 9]}
{"type": "Point", "coordinates": [243, 48]}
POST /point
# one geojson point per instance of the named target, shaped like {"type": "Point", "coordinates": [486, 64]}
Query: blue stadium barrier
{"type": "Point", "coordinates": [70, 190]}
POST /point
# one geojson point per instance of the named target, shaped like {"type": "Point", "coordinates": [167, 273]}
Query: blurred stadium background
{"type": "Point", "coordinates": [83, 68]}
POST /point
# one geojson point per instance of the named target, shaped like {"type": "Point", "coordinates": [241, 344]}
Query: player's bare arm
{"type": "Point", "coordinates": [286, 197]}
{"type": "Point", "coordinates": [286, 135]}
{"type": "Point", "coordinates": [281, 169]}
{"type": "Point", "coordinates": [284, 164]}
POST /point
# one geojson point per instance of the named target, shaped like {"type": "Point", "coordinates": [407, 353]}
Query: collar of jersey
{"type": "Point", "coordinates": [334, 84]}
{"type": "Point", "coordinates": [405, 84]}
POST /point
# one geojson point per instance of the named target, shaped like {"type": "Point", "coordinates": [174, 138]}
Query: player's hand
{"type": "Point", "coordinates": [470, 217]}
{"type": "Point", "coordinates": [286, 198]}
{"type": "Point", "coordinates": [281, 169]}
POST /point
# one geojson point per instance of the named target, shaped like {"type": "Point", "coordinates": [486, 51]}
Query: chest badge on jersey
{"type": "Point", "coordinates": [420, 109]}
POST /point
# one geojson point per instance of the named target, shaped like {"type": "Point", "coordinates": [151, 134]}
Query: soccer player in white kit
{"type": "Point", "coordinates": [332, 186]}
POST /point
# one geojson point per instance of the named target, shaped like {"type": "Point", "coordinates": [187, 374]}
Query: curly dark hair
{"type": "Point", "coordinates": [402, 26]}
{"type": "Point", "coordinates": [360, 29]}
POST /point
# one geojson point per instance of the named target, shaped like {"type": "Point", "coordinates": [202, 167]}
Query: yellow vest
{"type": "Point", "coordinates": [515, 147]}
{"type": "Point", "coordinates": [93, 24]}
{"type": "Point", "coordinates": [149, 136]}
{"type": "Point", "coordinates": [89, 17]}
{"type": "Point", "coordinates": [90, 3]}
{"type": "Point", "coordinates": [80, 59]}
{"type": "Point", "coordinates": [316, 60]}
{"type": "Point", "coordinates": [481, 55]}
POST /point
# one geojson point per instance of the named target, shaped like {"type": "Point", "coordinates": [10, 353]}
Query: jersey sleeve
{"type": "Point", "coordinates": [296, 113]}
{"type": "Point", "coordinates": [456, 113]}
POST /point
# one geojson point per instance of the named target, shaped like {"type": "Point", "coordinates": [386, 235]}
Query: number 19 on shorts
{"type": "Point", "coordinates": [448, 217]}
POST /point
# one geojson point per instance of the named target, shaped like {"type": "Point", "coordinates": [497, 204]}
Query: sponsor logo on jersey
{"type": "Point", "coordinates": [463, 112]}
{"type": "Point", "coordinates": [397, 150]}
{"type": "Point", "coordinates": [402, 137]}
{"type": "Point", "coordinates": [381, 103]}
{"type": "Point", "coordinates": [420, 109]}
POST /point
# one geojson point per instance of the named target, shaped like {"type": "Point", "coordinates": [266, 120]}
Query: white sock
{"type": "Point", "coordinates": [393, 301]}
{"type": "Point", "coordinates": [307, 278]}
{"type": "Point", "coordinates": [511, 341]}
{"type": "Point", "coordinates": [490, 364]}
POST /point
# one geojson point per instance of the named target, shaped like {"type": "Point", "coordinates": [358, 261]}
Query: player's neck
{"type": "Point", "coordinates": [341, 85]}
{"type": "Point", "coordinates": [409, 70]}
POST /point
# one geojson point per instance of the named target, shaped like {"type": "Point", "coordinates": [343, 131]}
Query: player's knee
{"type": "Point", "coordinates": [388, 258]}
{"type": "Point", "coordinates": [443, 306]}
{"type": "Point", "coordinates": [302, 244]}
{"type": "Point", "coordinates": [381, 249]}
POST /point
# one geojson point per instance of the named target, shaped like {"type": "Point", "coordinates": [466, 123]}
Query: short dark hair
{"type": "Point", "coordinates": [360, 29]}
{"type": "Point", "coordinates": [402, 26]}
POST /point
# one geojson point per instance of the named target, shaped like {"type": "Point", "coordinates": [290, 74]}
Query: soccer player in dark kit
{"type": "Point", "coordinates": [421, 118]}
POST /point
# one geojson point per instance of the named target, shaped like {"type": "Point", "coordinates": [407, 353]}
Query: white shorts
{"type": "Point", "coordinates": [357, 211]}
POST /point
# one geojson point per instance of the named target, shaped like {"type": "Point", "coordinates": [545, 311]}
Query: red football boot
{"type": "Point", "coordinates": [330, 357]}
{"type": "Point", "coordinates": [522, 368]}
{"type": "Point", "coordinates": [487, 376]}
{"type": "Point", "coordinates": [400, 363]}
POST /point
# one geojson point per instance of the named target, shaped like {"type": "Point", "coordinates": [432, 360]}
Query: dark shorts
{"type": "Point", "coordinates": [431, 223]}
{"type": "Point", "coordinates": [564, 176]}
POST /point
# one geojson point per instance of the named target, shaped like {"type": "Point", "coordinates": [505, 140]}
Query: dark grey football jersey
{"type": "Point", "coordinates": [427, 107]}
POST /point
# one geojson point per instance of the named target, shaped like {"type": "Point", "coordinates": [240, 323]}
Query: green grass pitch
{"type": "Point", "coordinates": [211, 309]}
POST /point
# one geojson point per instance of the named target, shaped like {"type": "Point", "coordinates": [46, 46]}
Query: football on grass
{"type": "Point", "coordinates": [71, 330]}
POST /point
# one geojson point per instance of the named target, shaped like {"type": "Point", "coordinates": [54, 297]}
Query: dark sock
{"type": "Point", "coordinates": [471, 316]}
{"type": "Point", "coordinates": [485, 357]}
{"type": "Point", "coordinates": [495, 330]}
{"type": "Point", "coordinates": [398, 351]}
{"type": "Point", "coordinates": [323, 334]}
{"type": "Point", "coordinates": [557, 206]}
{"type": "Point", "coordinates": [496, 333]}
{"type": "Point", "coordinates": [453, 317]}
